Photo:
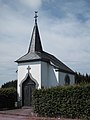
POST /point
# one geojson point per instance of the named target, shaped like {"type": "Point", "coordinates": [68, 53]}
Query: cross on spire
{"type": "Point", "coordinates": [28, 68]}
{"type": "Point", "coordinates": [36, 17]}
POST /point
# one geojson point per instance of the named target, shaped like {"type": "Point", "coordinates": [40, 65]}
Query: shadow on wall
{"type": "Point", "coordinates": [53, 80]}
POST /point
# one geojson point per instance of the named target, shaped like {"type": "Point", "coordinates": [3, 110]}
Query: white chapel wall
{"type": "Point", "coordinates": [35, 71]}
{"type": "Point", "coordinates": [49, 75]}
{"type": "Point", "coordinates": [62, 78]}
{"type": "Point", "coordinates": [44, 74]}
{"type": "Point", "coordinates": [53, 76]}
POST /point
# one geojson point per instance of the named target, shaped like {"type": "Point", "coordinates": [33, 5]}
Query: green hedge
{"type": "Point", "coordinates": [8, 97]}
{"type": "Point", "coordinates": [68, 101]}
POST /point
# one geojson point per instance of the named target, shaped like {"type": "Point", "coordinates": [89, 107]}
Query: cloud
{"type": "Point", "coordinates": [11, 22]}
{"type": "Point", "coordinates": [34, 4]}
{"type": "Point", "coordinates": [67, 37]}
{"type": "Point", "coordinates": [69, 40]}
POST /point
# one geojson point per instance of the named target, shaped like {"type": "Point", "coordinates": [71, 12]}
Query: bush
{"type": "Point", "coordinates": [67, 101]}
{"type": "Point", "coordinates": [8, 96]}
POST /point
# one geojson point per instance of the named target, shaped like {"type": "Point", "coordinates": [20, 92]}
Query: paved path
{"type": "Point", "coordinates": [19, 112]}
{"type": "Point", "coordinates": [23, 114]}
{"type": "Point", "coordinates": [13, 117]}
{"type": "Point", "coordinates": [16, 114]}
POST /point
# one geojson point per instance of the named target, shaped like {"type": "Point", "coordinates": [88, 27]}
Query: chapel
{"type": "Point", "coordinates": [38, 69]}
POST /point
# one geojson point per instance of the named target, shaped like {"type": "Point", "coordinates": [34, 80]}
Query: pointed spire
{"type": "Point", "coordinates": [35, 43]}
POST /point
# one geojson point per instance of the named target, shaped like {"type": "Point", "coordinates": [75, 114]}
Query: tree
{"type": "Point", "coordinates": [82, 79]}
{"type": "Point", "coordinates": [10, 84]}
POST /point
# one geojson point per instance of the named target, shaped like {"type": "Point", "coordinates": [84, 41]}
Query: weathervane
{"type": "Point", "coordinates": [36, 17]}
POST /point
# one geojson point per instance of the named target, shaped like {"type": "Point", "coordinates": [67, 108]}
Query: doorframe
{"type": "Point", "coordinates": [25, 78]}
{"type": "Point", "coordinates": [32, 86]}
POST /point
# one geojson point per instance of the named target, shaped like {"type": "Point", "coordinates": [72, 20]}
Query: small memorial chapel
{"type": "Point", "coordinates": [39, 69]}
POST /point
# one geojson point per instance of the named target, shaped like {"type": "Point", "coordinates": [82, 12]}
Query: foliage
{"type": "Point", "coordinates": [82, 79]}
{"type": "Point", "coordinates": [8, 97]}
{"type": "Point", "coordinates": [10, 84]}
{"type": "Point", "coordinates": [67, 101]}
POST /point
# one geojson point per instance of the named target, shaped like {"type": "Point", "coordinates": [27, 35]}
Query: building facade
{"type": "Point", "coordinates": [39, 69]}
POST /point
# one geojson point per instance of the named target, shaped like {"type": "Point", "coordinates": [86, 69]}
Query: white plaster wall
{"type": "Point", "coordinates": [44, 74]}
{"type": "Point", "coordinates": [72, 79]}
{"type": "Point", "coordinates": [62, 78]}
{"type": "Point", "coordinates": [35, 72]}
{"type": "Point", "coordinates": [53, 76]}
{"type": "Point", "coordinates": [49, 76]}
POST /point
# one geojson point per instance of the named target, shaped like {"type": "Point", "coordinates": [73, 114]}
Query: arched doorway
{"type": "Point", "coordinates": [27, 87]}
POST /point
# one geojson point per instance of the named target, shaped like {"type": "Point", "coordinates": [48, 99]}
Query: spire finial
{"type": "Point", "coordinates": [36, 17]}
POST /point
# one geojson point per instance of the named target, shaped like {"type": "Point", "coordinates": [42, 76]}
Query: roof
{"type": "Point", "coordinates": [35, 44]}
{"type": "Point", "coordinates": [36, 53]}
{"type": "Point", "coordinates": [46, 57]}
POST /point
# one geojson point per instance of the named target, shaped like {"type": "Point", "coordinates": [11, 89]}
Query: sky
{"type": "Point", "coordinates": [64, 27]}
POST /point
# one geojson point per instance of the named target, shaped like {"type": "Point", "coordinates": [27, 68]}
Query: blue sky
{"type": "Point", "coordinates": [64, 28]}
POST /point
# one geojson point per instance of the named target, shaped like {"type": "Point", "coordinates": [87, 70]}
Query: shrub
{"type": "Point", "coordinates": [8, 96]}
{"type": "Point", "coordinates": [67, 101]}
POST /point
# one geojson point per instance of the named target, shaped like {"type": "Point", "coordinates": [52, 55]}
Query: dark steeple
{"type": "Point", "coordinates": [35, 43]}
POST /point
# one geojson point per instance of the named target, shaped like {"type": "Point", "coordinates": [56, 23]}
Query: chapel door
{"type": "Point", "coordinates": [27, 89]}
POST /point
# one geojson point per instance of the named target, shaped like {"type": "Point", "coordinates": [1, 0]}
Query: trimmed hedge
{"type": "Point", "coordinates": [67, 101]}
{"type": "Point", "coordinates": [8, 97]}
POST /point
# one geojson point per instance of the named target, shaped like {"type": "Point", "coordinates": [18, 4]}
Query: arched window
{"type": "Point", "coordinates": [67, 80]}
